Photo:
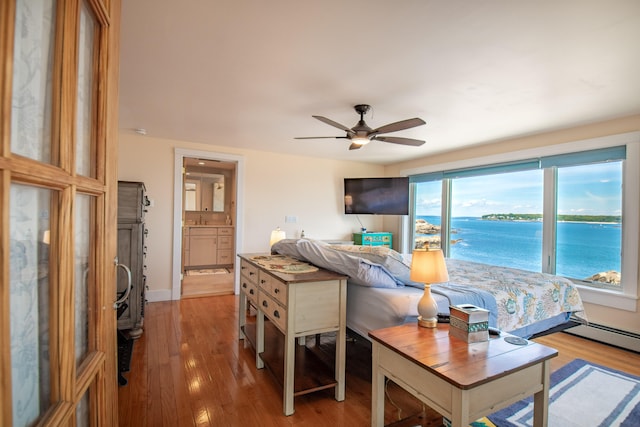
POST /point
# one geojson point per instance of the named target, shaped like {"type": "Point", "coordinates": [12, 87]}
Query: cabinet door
{"type": "Point", "coordinates": [130, 254]}
{"type": "Point", "coordinates": [203, 250]}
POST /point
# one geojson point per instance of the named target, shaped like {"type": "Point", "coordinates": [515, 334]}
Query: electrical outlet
{"type": "Point", "coordinates": [290, 219]}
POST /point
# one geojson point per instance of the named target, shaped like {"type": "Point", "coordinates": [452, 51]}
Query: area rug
{"type": "Point", "coordinates": [207, 271]}
{"type": "Point", "coordinates": [582, 394]}
{"type": "Point", "coordinates": [283, 264]}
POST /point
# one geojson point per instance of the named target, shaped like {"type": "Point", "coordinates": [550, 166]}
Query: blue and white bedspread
{"type": "Point", "coordinates": [515, 298]}
{"type": "Point", "coordinates": [521, 297]}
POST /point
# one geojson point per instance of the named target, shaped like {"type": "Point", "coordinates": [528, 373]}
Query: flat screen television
{"type": "Point", "coordinates": [376, 196]}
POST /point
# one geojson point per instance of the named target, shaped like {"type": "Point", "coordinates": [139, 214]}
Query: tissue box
{"type": "Point", "coordinates": [468, 327]}
{"type": "Point", "coordinates": [469, 337]}
{"type": "Point", "coordinates": [469, 323]}
{"type": "Point", "coordinates": [469, 313]}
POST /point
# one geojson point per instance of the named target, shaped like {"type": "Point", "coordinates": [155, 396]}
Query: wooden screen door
{"type": "Point", "coordinates": [58, 186]}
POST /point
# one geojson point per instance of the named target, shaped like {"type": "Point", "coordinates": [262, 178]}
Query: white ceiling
{"type": "Point", "coordinates": [251, 73]}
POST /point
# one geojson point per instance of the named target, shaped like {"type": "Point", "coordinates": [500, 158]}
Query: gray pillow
{"type": "Point", "coordinates": [360, 271]}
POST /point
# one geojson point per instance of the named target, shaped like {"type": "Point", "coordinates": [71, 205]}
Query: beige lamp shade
{"type": "Point", "coordinates": [276, 236]}
{"type": "Point", "coordinates": [428, 266]}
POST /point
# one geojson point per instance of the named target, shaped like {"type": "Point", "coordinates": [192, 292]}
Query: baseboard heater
{"type": "Point", "coordinates": [608, 335]}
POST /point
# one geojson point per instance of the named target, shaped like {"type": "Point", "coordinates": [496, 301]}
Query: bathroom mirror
{"type": "Point", "coordinates": [204, 192]}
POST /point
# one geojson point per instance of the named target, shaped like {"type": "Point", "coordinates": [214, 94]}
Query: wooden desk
{"type": "Point", "coordinates": [298, 305]}
{"type": "Point", "coordinates": [464, 382]}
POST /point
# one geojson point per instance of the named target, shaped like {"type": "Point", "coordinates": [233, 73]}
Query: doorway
{"type": "Point", "coordinates": [208, 255]}
{"type": "Point", "coordinates": [207, 231]}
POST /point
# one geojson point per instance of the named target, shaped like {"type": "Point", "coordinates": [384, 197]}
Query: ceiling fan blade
{"type": "Point", "coordinates": [355, 146]}
{"type": "Point", "coordinates": [401, 125]}
{"type": "Point", "coordinates": [319, 137]}
{"type": "Point", "coordinates": [399, 140]}
{"type": "Point", "coordinates": [334, 124]}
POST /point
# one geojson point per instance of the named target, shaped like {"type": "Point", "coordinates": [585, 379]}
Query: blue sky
{"type": "Point", "coordinates": [582, 190]}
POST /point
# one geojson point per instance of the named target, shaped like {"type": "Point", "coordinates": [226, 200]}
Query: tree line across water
{"type": "Point", "coordinates": [538, 217]}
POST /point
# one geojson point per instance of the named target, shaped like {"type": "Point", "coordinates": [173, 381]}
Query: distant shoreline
{"type": "Point", "coordinates": [592, 219]}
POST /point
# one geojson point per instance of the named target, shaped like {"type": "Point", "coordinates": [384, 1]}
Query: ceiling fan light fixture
{"type": "Point", "coordinates": [360, 140]}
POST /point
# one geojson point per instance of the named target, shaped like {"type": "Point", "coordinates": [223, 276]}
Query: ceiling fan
{"type": "Point", "coordinates": [362, 134]}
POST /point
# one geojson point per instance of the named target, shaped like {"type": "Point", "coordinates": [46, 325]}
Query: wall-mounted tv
{"type": "Point", "coordinates": [378, 196]}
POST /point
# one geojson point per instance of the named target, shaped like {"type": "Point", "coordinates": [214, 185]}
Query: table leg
{"type": "Point", "coordinates": [289, 370]}
{"type": "Point", "coordinates": [341, 345]}
{"type": "Point", "coordinates": [242, 315]}
{"type": "Point", "coordinates": [377, 389]}
{"type": "Point", "coordinates": [541, 398]}
{"type": "Point", "coordinates": [259, 338]}
{"type": "Point", "coordinates": [460, 408]}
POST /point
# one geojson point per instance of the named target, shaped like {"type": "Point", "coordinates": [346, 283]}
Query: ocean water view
{"type": "Point", "coordinates": [583, 248]}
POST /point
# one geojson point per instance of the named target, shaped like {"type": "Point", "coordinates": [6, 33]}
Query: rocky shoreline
{"type": "Point", "coordinates": [610, 277]}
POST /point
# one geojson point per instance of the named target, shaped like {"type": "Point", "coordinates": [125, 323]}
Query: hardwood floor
{"type": "Point", "coordinates": [196, 286]}
{"type": "Point", "coordinates": [190, 369]}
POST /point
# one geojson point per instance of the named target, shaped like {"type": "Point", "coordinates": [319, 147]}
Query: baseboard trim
{"type": "Point", "coordinates": [157, 296]}
{"type": "Point", "coordinates": [608, 335]}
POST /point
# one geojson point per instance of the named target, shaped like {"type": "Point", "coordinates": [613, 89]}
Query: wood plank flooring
{"type": "Point", "coordinates": [195, 286]}
{"type": "Point", "coordinates": [190, 369]}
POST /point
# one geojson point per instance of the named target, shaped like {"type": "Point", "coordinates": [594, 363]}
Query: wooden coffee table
{"type": "Point", "coordinates": [461, 381]}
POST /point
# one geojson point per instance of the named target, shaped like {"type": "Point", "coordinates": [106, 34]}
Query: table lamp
{"type": "Point", "coordinates": [428, 266]}
{"type": "Point", "coordinates": [276, 236]}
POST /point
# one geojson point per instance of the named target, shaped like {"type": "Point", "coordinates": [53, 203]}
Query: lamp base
{"type": "Point", "coordinates": [427, 323]}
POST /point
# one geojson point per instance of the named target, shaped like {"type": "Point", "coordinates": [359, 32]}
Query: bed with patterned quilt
{"type": "Point", "coordinates": [380, 293]}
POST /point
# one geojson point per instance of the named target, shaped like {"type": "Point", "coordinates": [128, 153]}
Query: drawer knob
{"type": "Point", "coordinates": [251, 273]}
{"type": "Point", "coordinates": [276, 314]}
{"type": "Point", "coordinates": [244, 285]}
{"type": "Point", "coordinates": [265, 303]}
{"type": "Point", "coordinates": [276, 290]}
{"type": "Point", "coordinates": [251, 291]}
{"type": "Point", "coordinates": [263, 281]}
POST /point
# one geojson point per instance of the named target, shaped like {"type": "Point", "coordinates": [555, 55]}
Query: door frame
{"type": "Point", "coordinates": [180, 154]}
{"type": "Point", "coordinates": [96, 376]}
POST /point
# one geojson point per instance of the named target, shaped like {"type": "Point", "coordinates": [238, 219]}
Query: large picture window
{"type": "Point", "coordinates": [496, 219]}
{"type": "Point", "coordinates": [589, 225]}
{"type": "Point", "coordinates": [559, 214]}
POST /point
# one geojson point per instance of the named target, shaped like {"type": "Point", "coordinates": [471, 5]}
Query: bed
{"type": "Point", "coordinates": [380, 293]}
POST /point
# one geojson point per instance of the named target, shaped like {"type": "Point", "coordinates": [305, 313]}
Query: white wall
{"type": "Point", "coordinates": [276, 185]}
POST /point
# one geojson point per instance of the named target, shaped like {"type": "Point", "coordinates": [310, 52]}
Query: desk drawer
{"type": "Point", "coordinates": [249, 271]}
{"type": "Point", "coordinates": [274, 311]}
{"type": "Point", "coordinates": [279, 292]}
{"type": "Point", "coordinates": [275, 288]}
{"type": "Point", "coordinates": [250, 290]}
{"type": "Point", "coordinates": [264, 281]}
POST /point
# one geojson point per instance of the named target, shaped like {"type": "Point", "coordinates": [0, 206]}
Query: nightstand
{"type": "Point", "coordinates": [373, 239]}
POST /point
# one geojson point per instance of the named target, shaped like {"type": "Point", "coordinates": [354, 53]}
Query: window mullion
{"type": "Point", "coordinates": [445, 218]}
{"type": "Point", "coordinates": [549, 217]}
